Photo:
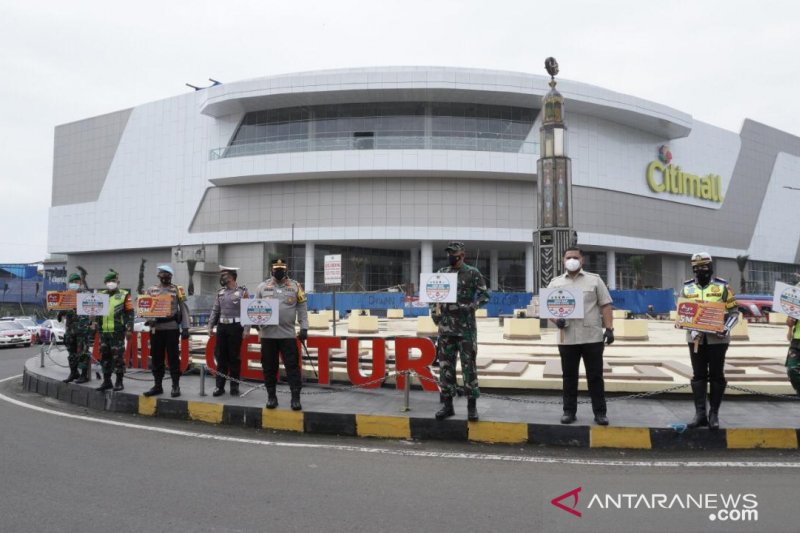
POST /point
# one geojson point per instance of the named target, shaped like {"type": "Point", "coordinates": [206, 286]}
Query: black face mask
{"type": "Point", "coordinates": [703, 277]}
{"type": "Point", "coordinates": [279, 273]}
{"type": "Point", "coordinates": [165, 280]}
{"type": "Point", "coordinates": [453, 259]}
{"type": "Point", "coordinates": [223, 281]}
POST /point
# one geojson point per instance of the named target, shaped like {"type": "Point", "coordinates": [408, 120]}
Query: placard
{"type": "Point", "coordinates": [438, 288]}
{"type": "Point", "coordinates": [259, 312]}
{"type": "Point", "coordinates": [61, 300]}
{"type": "Point", "coordinates": [700, 316]}
{"type": "Point", "coordinates": [159, 306]}
{"type": "Point", "coordinates": [786, 299]}
{"type": "Point", "coordinates": [333, 269]}
{"type": "Point", "coordinates": [561, 302]}
{"type": "Point", "coordinates": [92, 304]}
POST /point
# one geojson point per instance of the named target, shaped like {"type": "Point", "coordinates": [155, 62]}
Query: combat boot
{"type": "Point", "coordinates": [234, 389]}
{"type": "Point", "coordinates": [272, 398]}
{"type": "Point", "coordinates": [73, 374]}
{"type": "Point", "coordinates": [472, 409]}
{"type": "Point", "coordinates": [106, 384]}
{"type": "Point", "coordinates": [295, 404]}
{"type": "Point", "coordinates": [447, 409]}
{"type": "Point", "coordinates": [714, 401]}
{"type": "Point", "coordinates": [118, 386]}
{"type": "Point", "coordinates": [155, 390]}
{"type": "Point", "coordinates": [700, 419]}
{"type": "Point", "coordinates": [84, 377]}
{"type": "Point", "coordinates": [176, 387]}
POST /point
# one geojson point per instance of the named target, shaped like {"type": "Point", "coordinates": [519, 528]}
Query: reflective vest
{"type": "Point", "coordinates": [113, 320]}
{"type": "Point", "coordinates": [716, 291]}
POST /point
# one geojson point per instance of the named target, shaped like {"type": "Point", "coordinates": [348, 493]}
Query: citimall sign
{"type": "Point", "coordinates": [663, 177]}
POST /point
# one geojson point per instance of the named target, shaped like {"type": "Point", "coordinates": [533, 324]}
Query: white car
{"type": "Point", "coordinates": [52, 328]}
{"type": "Point", "coordinates": [31, 326]}
{"type": "Point", "coordinates": [13, 333]}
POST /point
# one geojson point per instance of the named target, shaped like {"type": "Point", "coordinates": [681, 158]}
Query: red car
{"type": "Point", "coordinates": [14, 334]}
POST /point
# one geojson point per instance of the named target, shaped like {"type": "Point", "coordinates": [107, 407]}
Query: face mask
{"type": "Point", "coordinates": [165, 280]}
{"type": "Point", "coordinates": [703, 276]}
{"type": "Point", "coordinates": [73, 286]}
{"type": "Point", "coordinates": [572, 264]}
{"type": "Point", "coordinates": [453, 259]}
{"type": "Point", "coordinates": [223, 281]}
{"type": "Point", "coordinates": [111, 285]}
{"type": "Point", "coordinates": [279, 273]}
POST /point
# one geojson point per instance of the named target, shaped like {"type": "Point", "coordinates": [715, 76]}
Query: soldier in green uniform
{"type": "Point", "coordinates": [78, 337]}
{"type": "Point", "coordinates": [115, 328]}
{"type": "Point", "coordinates": [458, 332]}
{"type": "Point", "coordinates": [793, 357]}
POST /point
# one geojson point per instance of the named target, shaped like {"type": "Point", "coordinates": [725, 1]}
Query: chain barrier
{"type": "Point", "coordinates": [769, 394]}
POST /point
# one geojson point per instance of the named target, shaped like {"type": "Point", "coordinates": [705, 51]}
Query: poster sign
{"type": "Point", "coordinates": [561, 302]}
{"type": "Point", "coordinates": [159, 306]}
{"type": "Point", "coordinates": [437, 288]}
{"type": "Point", "coordinates": [259, 312]}
{"type": "Point", "coordinates": [333, 269]}
{"type": "Point", "coordinates": [92, 304]}
{"type": "Point", "coordinates": [786, 299]}
{"type": "Point", "coordinates": [700, 316]}
{"type": "Point", "coordinates": [61, 300]}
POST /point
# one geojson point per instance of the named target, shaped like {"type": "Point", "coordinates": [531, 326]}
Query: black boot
{"type": "Point", "coordinates": [699, 392]}
{"type": "Point", "coordinates": [272, 398]}
{"type": "Point", "coordinates": [234, 388]}
{"type": "Point", "coordinates": [84, 377]}
{"type": "Point", "coordinates": [714, 401]}
{"type": "Point", "coordinates": [155, 390]}
{"type": "Point", "coordinates": [295, 404]}
{"type": "Point", "coordinates": [118, 386]}
{"type": "Point", "coordinates": [472, 409]}
{"type": "Point", "coordinates": [73, 374]}
{"type": "Point", "coordinates": [447, 409]}
{"type": "Point", "coordinates": [106, 384]}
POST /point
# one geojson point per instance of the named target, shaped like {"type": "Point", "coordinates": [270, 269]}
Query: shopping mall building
{"type": "Point", "coordinates": [385, 165]}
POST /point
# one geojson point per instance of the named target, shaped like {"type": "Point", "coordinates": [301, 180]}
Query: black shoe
{"type": "Point", "coordinates": [713, 420]}
{"type": "Point", "coordinates": [118, 386]}
{"type": "Point", "coordinates": [568, 418]}
{"type": "Point", "coordinates": [234, 390]}
{"type": "Point", "coordinates": [295, 403]}
{"type": "Point", "coordinates": [84, 377]}
{"type": "Point", "coordinates": [472, 410]}
{"type": "Point", "coordinates": [106, 384]}
{"type": "Point", "coordinates": [175, 392]}
{"type": "Point", "coordinates": [446, 411]}
{"type": "Point", "coordinates": [218, 392]}
{"type": "Point", "coordinates": [155, 391]}
{"type": "Point", "coordinates": [601, 420]}
{"type": "Point", "coordinates": [73, 375]}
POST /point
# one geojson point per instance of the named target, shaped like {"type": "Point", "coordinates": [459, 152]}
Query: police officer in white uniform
{"type": "Point", "coordinates": [225, 315]}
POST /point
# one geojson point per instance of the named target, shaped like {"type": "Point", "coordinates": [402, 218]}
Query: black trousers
{"type": "Point", "coordinates": [592, 354]}
{"type": "Point", "coordinates": [709, 362]}
{"type": "Point", "coordinates": [227, 352]}
{"type": "Point", "coordinates": [269, 361]}
{"type": "Point", "coordinates": [165, 343]}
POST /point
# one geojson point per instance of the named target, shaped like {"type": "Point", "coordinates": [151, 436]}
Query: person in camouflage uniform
{"type": "Point", "coordinates": [78, 337]}
{"type": "Point", "coordinates": [115, 328]}
{"type": "Point", "coordinates": [458, 332]}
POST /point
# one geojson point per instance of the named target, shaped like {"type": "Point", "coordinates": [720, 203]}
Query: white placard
{"type": "Point", "coordinates": [92, 304]}
{"type": "Point", "coordinates": [333, 269]}
{"type": "Point", "coordinates": [259, 311]}
{"type": "Point", "coordinates": [437, 288]}
{"type": "Point", "coordinates": [561, 302]}
{"type": "Point", "coordinates": [786, 299]}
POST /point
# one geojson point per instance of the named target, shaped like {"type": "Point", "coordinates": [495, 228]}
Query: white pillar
{"type": "Point", "coordinates": [309, 283]}
{"type": "Point", "coordinates": [611, 269]}
{"type": "Point", "coordinates": [529, 267]}
{"type": "Point", "coordinates": [413, 271]}
{"type": "Point", "coordinates": [494, 261]}
{"type": "Point", "coordinates": [426, 257]}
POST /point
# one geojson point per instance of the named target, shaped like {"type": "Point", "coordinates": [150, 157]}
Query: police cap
{"type": "Point", "coordinates": [701, 258]}
{"type": "Point", "coordinates": [279, 263]}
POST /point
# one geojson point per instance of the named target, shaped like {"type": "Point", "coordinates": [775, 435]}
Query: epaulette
{"type": "Point", "coordinates": [689, 281]}
{"type": "Point", "coordinates": [221, 291]}
{"type": "Point", "coordinates": [723, 280]}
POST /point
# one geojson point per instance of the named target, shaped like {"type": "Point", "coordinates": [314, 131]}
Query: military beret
{"type": "Point", "coordinates": [74, 277]}
{"type": "Point", "coordinates": [167, 269]}
{"type": "Point", "coordinates": [112, 275]}
{"type": "Point", "coordinates": [454, 246]}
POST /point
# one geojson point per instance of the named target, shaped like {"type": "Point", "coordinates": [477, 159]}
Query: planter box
{"type": "Point", "coordinates": [521, 329]}
{"type": "Point", "coordinates": [630, 330]}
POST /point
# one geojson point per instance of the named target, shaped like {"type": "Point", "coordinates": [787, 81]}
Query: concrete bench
{"type": "Point", "coordinates": [394, 313]}
{"type": "Point", "coordinates": [740, 331]}
{"type": "Point", "coordinates": [481, 313]}
{"type": "Point", "coordinates": [630, 330]}
{"type": "Point", "coordinates": [317, 321]}
{"type": "Point", "coordinates": [359, 312]}
{"type": "Point", "coordinates": [673, 315]}
{"type": "Point", "coordinates": [362, 324]}
{"type": "Point", "coordinates": [426, 327]}
{"type": "Point", "coordinates": [521, 329]}
{"type": "Point", "coordinates": [328, 314]}
{"type": "Point", "coordinates": [621, 313]}
{"type": "Point", "coordinates": [777, 318]}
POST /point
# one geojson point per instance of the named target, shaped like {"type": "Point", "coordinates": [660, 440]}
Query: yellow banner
{"type": "Point", "coordinates": [61, 300]}
{"type": "Point", "coordinates": [700, 316]}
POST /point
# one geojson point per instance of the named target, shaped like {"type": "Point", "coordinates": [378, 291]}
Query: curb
{"type": "Point", "coordinates": [400, 427]}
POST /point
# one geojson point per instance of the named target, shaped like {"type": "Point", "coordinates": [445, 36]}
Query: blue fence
{"type": "Point", "coordinates": [637, 302]}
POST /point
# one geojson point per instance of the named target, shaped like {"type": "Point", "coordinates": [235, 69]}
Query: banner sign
{"type": "Point", "coordinates": [561, 302]}
{"type": "Point", "coordinates": [700, 316]}
{"type": "Point", "coordinates": [61, 300]}
{"type": "Point", "coordinates": [260, 312]}
{"type": "Point", "coordinates": [333, 269]}
{"type": "Point", "coordinates": [159, 306]}
{"type": "Point", "coordinates": [437, 288]}
{"type": "Point", "coordinates": [92, 304]}
{"type": "Point", "coordinates": [786, 299]}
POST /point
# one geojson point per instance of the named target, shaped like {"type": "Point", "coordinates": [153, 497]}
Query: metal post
{"type": "Point", "coordinates": [41, 357]}
{"type": "Point", "coordinates": [202, 379]}
{"type": "Point", "coordinates": [406, 391]}
{"type": "Point", "coordinates": [334, 311]}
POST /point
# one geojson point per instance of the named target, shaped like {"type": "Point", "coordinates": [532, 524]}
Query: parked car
{"type": "Point", "coordinates": [13, 334]}
{"type": "Point", "coordinates": [754, 307]}
{"type": "Point", "coordinates": [50, 328]}
{"type": "Point", "coordinates": [30, 325]}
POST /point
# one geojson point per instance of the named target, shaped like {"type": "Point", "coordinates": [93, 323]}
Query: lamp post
{"type": "Point", "coordinates": [554, 233]}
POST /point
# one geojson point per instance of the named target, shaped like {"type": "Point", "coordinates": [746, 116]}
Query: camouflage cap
{"type": "Point", "coordinates": [74, 277]}
{"type": "Point", "coordinates": [111, 276]}
{"type": "Point", "coordinates": [454, 247]}
{"type": "Point", "coordinates": [279, 263]}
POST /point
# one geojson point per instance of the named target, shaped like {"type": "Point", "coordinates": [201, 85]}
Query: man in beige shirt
{"type": "Point", "coordinates": [584, 337]}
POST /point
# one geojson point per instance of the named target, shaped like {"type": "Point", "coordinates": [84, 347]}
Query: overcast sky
{"type": "Point", "coordinates": [719, 61]}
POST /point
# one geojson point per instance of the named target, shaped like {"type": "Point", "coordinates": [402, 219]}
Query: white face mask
{"type": "Point", "coordinates": [111, 285]}
{"type": "Point", "coordinates": [572, 264]}
{"type": "Point", "coordinates": [73, 286]}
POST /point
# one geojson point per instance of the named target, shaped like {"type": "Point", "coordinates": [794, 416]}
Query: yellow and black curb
{"type": "Point", "coordinates": [403, 427]}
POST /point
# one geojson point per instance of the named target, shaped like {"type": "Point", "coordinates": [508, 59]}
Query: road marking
{"type": "Point", "coordinates": [406, 453]}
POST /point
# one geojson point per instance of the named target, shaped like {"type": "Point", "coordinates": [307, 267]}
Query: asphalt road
{"type": "Point", "coordinates": [65, 468]}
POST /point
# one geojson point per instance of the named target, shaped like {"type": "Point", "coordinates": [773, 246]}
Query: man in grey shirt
{"type": "Point", "coordinates": [281, 338]}
{"type": "Point", "coordinates": [584, 337]}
